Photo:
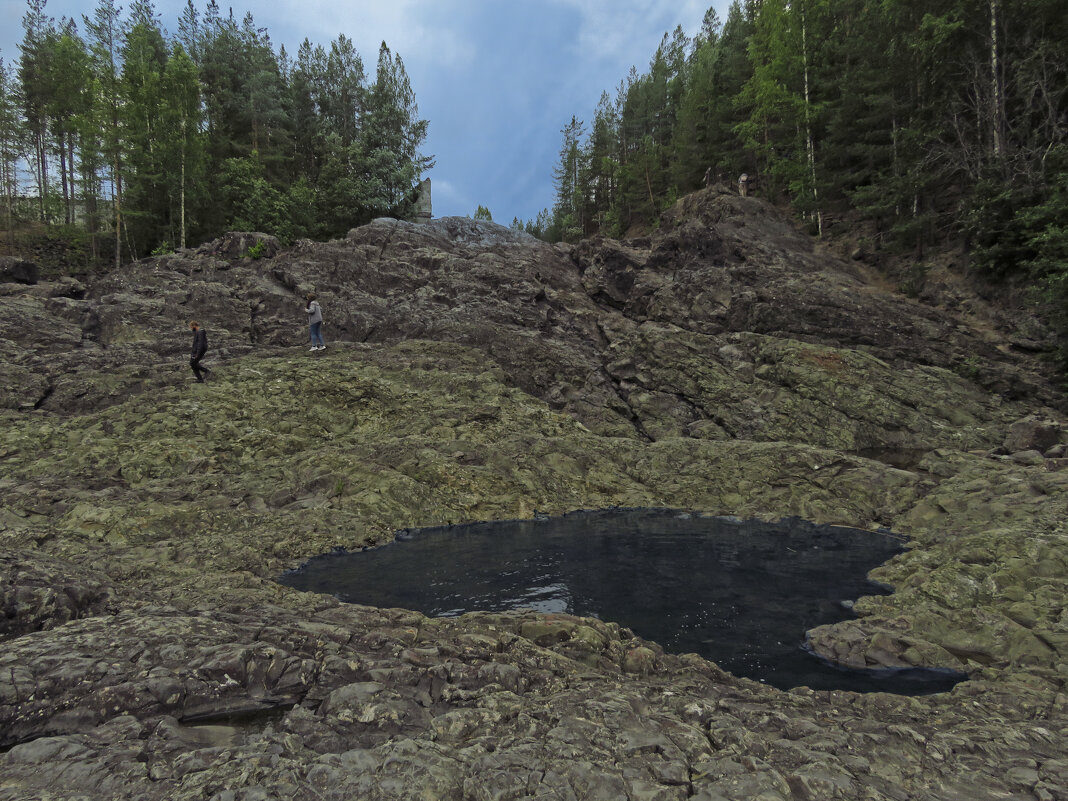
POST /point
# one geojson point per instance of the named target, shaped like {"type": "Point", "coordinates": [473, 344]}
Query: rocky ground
{"type": "Point", "coordinates": [724, 364]}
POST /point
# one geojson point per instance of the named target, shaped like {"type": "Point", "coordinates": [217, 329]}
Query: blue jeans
{"type": "Point", "coordinates": [316, 331]}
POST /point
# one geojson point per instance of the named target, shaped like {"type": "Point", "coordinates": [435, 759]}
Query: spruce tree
{"type": "Point", "coordinates": [68, 102]}
{"type": "Point", "coordinates": [391, 135]}
{"type": "Point", "coordinates": [104, 31]}
{"type": "Point", "coordinates": [11, 145]}
{"type": "Point", "coordinates": [34, 74]}
{"type": "Point", "coordinates": [183, 148]}
{"type": "Point", "coordinates": [144, 63]}
{"type": "Point", "coordinates": [567, 221]}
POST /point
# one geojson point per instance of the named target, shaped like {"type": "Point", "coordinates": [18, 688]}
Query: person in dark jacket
{"type": "Point", "coordinates": [200, 347]}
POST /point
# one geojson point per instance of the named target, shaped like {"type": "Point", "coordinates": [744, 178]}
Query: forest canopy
{"type": "Point", "coordinates": [147, 141]}
{"type": "Point", "coordinates": [918, 122]}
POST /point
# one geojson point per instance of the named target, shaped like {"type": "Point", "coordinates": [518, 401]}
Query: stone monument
{"type": "Point", "coordinates": [423, 208]}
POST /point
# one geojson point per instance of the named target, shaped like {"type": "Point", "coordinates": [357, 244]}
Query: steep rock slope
{"type": "Point", "coordinates": [724, 365]}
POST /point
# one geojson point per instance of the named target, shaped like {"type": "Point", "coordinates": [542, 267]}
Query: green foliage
{"type": "Point", "coordinates": [971, 367]}
{"type": "Point", "coordinates": [165, 141]}
{"type": "Point", "coordinates": [251, 202]}
{"type": "Point", "coordinates": [1018, 230]}
{"type": "Point", "coordinates": [302, 216]}
{"type": "Point", "coordinates": [482, 213]}
{"type": "Point", "coordinates": [256, 250]}
{"type": "Point", "coordinates": [1022, 233]}
{"type": "Point", "coordinates": [538, 227]}
{"type": "Point", "coordinates": [387, 148]}
{"type": "Point", "coordinates": [915, 278]}
{"type": "Point", "coordinates": [932, 121]}
{"type": "Point", "coordinates": [12, 145]}
{"type": "Point", "coordinates": [339, 193]}
{"type": "Point", "coordinates": [568, 212]}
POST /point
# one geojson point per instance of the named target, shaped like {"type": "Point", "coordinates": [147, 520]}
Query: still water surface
{"type": "Point", "coordinates": [740, 593]}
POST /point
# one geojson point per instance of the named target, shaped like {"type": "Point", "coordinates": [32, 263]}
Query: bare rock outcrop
{"type": "Point", "coordinates": [724, 364]}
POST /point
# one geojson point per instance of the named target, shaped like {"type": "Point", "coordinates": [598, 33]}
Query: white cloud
{"type": "Point", "coordinates": [611, 27]}
{"type": "Point", "coordinates": [447, 199]}
{"type": "Point", "coordinates": [411, 28]}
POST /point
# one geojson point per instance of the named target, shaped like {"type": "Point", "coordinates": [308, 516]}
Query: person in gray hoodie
{"type": "Point", "coordinates": [315, 324]}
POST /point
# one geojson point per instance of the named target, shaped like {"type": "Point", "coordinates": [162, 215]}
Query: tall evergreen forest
{"type": "Point", "coordinates": [914, 124]}
{"type": "Point", "coordinates": [136, 140]}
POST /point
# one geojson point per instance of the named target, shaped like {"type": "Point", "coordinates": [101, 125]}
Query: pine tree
{"type": "Point", "coordinates": [212, 130]}
{"type": "Point", "coordinates": [602, 164]}
{"type": "Point", "coordinates": [342, 200]}
{"type": "Point", "coordinates": [690, 156]}
{"type": "Point", "coordinates": [772, 96]}
{"type": "Point", "coordinates": [11, 144]}
{"type": "Point", "coordinates": [344, 86]}
{"type": "Point", "coordinates": [144, 63]}
{"type": "Point", "coordinates": [183, 149]}
{"type": "Point", "coordinates": [189, 31]}
{"type": "Point", "coordinates": [267, 120]}
{"type": "Point", "coordinates": [34, 74]}
{"type": "Point", "coordinates": [104, 31]}
{"type": "Point", "coordinates": [391, 135]}
{"type": "Point", "coordinates": [726, 154]}
{"type": "Point", "coordinates": [306, 85]}
{"type": "Point", "coordinates": [567, 222]}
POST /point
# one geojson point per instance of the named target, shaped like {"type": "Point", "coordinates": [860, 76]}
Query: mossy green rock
{"type": "Point", "coordinates": [724, 365]}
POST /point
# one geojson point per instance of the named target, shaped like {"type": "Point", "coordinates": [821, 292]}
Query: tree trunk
{"type": "Point", "coordinates": [9, 193]}
{"type": "Point", "coordinates": [808, 126]}
{"type": "Point", "coordinates": [70, 169]}
{"type": "Point", "coordinates": [997, 93]}
{"type": "Point", "coordinates": [63, 178]}
{"type": "Point", "coordinates": [182, 191]}
{"type": "Point", "coordinates": [42, 172]}
{"type": "Point", "coordinates": [117, 194]}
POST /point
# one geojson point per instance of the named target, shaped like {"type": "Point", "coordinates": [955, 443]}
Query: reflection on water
{"type": "Point", "coordinates": [741, 593]}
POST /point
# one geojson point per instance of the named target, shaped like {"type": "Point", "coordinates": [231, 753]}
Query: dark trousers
{"type": "Point", "coordinates": [198, 368]}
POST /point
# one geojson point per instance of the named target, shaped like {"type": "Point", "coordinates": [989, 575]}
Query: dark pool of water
{"type": "Point", "coordinates": [740, 593]}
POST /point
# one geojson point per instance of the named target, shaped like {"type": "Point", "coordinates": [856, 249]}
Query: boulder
{"type": "Point", "coordinates": [19, 271]}
{"type": "Point", "coordinates": [241, 245]}
{"type": "Point", "coordinates": [1035, 432]}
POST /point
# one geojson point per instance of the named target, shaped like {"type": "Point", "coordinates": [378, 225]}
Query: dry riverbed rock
{"type": "Point", "coordinates": [724, 364]}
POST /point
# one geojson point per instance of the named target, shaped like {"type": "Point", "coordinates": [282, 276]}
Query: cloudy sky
{"type": "Point", "coordinates": [497, 79]}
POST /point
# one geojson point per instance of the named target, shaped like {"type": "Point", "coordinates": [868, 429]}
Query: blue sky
{"type": "Point", "coordinates": [497, 79]}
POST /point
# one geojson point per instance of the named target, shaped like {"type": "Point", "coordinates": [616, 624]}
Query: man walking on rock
{"type": "Point", "coordinates": [200, 347]}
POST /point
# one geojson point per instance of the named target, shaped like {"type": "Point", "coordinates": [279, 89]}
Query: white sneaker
{"type": "Point", "coordinates": [322, 347]}
{"type": "Point", "coordinates": [313, 347]}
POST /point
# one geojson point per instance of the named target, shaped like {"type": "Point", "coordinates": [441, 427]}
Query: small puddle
{"type": "Point", "coordinates": [740, 593]}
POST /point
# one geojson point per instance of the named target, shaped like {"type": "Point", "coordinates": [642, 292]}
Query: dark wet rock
{"type": "Point", "coordinates": [1036, 432]}
{"type": "Point", "coordinates": [38, 592]}
{"type": "Point", "coordinates": [59, 287]}
{"type": "Point", "coordinates": [18, 271]}
{"type": "Point", "coordinates": [724, 364]}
